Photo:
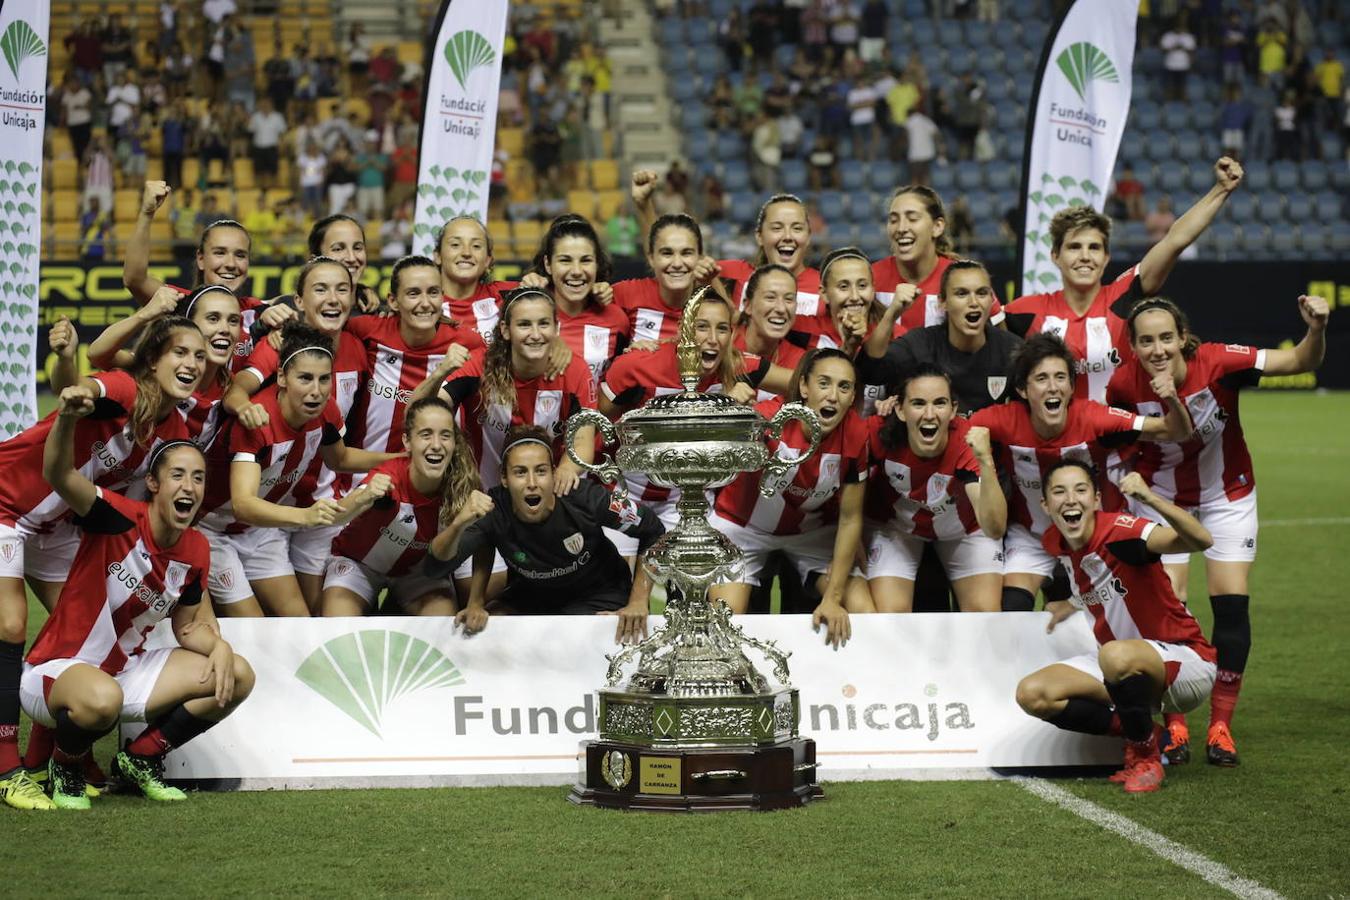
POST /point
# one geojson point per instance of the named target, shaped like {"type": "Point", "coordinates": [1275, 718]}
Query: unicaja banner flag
{"type": "Point", "coordinates": [464, 68]}
{"type": "Point", "coordinates": [23, 109]}
{"type": "Point", "coordinates": [1080, 104]}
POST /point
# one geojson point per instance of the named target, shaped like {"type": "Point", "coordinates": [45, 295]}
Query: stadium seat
{"type": "Point", "coordinates": [1147, 117]}
{"type": "Point", "coordinates": [742, 207]}
{"type": "Point", "coordinates": [65, 206]}
{"type": "Point", "coordinates": [852, 175]}
{"type": "Point", "coordinates": [1241, 207]}
{"type": "Point", "coordinates": [1201, 177]}
{"type": "Point", "coordinates": [1285, 175]}
{"type": "Point", "coordinates": [1172, 176]}
{"type": "Point", "coordinates": [582, 201]}
{"type": "Point", "coordinates": [1002, 177]}
{"type": "Point", "coordinates": [1298, 208]}
{"type": "Point", "coordinates": [1284, 242]}
{"type": "Point", "coordinates": [1314, 175]}
{"type": "Point", "coordinates": [1220, 240]}
{"type": "Point", "coordinates": [970, 176]}
{"type": "Point", "coordinates": [64, 174]}
{"type": "Point", "coordinates": [736, 176]}
{"type": "Point", "coordinates": [607, 203]}
{"type": "Point", "coordinates": [943, 180]}
{"type": "Point", "coordinates": [792, 174]}
{"type": "Point", "coordinates": [499, 231]}
{"type": "Point", "coordinates": [1315, 241]}
{"type": "Point", "coordinates": [604, 174]}
{"type": "Point", "coordinates": [1189, 147]}
{"type": "Point", "coordinates": [1256, 176]}
{"type": "Point", "coordinates": [1329, 207]}
{"type": "Point", "coordinates": [526, 235]}
{"type": "Point", "coordinates": [1340, 240]}
{"type": "Point", "coordinates": [1255, 243]}
{"type": "Point", "coordinates": [884, 177]}
{"type": "Point", "coordinates": [126, 205]}
{"type": "Point", "coordinates": [242, 171]}
{"type": "Point", "coordinates": [831, 207]}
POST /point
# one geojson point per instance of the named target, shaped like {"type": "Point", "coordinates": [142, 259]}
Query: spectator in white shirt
{"type": "Point", "coordinates": [1178, 46]}
{"type": "Point", "coordinates": [266, 126]}
{"type": "Point", "coordinates": [862, 117]}
{"type": "Point", "coordinates": [124, 101]}
{"type": "Point", "coordinates": [924, 137]}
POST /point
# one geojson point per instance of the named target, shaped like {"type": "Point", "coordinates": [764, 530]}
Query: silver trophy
{"type": "Point", "coordinates": [696, 726]}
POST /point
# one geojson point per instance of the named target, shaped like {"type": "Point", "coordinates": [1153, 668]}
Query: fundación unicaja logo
{"type": "Point", "coordinates": [466, 51]}
{"type": "Point", "coordinates": [1083, 63]}
{"type": "Point", "coordinates": [18, 43]}
{"type": "Point", "coordinates": [363, 673]}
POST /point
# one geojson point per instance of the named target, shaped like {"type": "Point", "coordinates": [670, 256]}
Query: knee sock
{"type": "Point", "coordinates": [72, 741]}
{"type": "Point", "coordinates": [11, 667]}
{"type": "Point", "coordinates": [1233, 641]}
{"type": "Point", "coordinates": [1018, 600]}
{"type": "Point", "coordinates": [41, 740]}
{"type": "Point", "coordinates": [173, 730]}
{"type": "Point", "coordinates": [1133, 697]}
{"type": "Point", "coordinates": [1085, 716]}
{"type": "Point", "coordinates": [1170, 719]}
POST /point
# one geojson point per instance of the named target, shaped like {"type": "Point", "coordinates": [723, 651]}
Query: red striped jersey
{"type": "Point", "coordinates": [597, 334]}
{"type": "Point", "coordinates": [249, 310]}
{"type": "Point", "coordinates": [810, 498]}
{"type": "Point", "coordinates": [395, 371]}
{"type": "Point", "coordinates": [637, 377]}
{"type": "Point", "coordinates": [927, 308]}
{"type": "Point", "coordinates": [786, 354]}
{"type": "Point", "coordinates": [392, 536]}
{"type": "Point", "coordinates": [1099, 339]}
{"type": "Point", "coordinates": [1213, 464]}
{"type": "Point", "coordinates": [105, 453]}
{"type": "Point", "coordinates": [546, 402]}
{"type": "Point", "coordinates": [922, 497]}
{"type": "Point", "coordinates": [810, 305]}
{"type": "Point", "coordinates": [203, 413]}
{"type": "Point", "coordinates": [285, 454]}
{"type": "Point", "coordinates": [351, 368]}
{"type": "Point", "coordinates": [480, 310]}
{"type": "Point", "coordinates": [1124, 587]}
{"type": "Point", "coordinates": [121, 583]}
{"type": "Point", "coordinates": [1091, 433]}
{"type": "Point", "coordinates": [649, 319]}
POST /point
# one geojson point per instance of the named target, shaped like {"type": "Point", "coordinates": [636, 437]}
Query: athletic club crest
{"type": "Point", "coordinates": [547, 405]}
{"type": "Point", "coordinates": [574, 543]}
{"type": "Point", "coordinates": [343, 568]}
{"type": "Point", "coordinates": [227, 579]}
{"type": "Point", "coordinates": [175, 574]}
{"type": "Point", "coordinates": [9, 550]}
{"type": "Point", "coordinates": [997, 385]}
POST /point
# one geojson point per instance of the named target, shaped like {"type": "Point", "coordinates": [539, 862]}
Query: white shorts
{"type": "Point", "coordinates": [312, 548]}
{"type": "Point", "coordinates": [1023, 553]}
{"type": "Point", "coordinates": [627, 545]}
{"type": "Point", "coordinates": [1232, 523]}
{"type": "Point", "coordinates": [809, 553]}
{"type": "Point", "coordinates": [465, 570]}
{"type": "Point", "coordinates": [893, 554]}
{"type": "Point", "coordinates": [367, 583]}
{"type": "Point", "coordinates": [137, 680]}
{"type": "Point", "coordinates": [1191, 678]}
{"type": "Point", "coordinates": [238, 559]}
{"type": "Point", "coordinates": [46, 557]}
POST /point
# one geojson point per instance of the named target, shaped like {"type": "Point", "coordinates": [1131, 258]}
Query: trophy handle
{"type": "Point", "coordinates": [606, 470]}
{"type": "Point", "coordinates": [775, 469]}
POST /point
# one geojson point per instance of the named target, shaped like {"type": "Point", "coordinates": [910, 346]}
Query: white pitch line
{"type": "Point", "coordinates": [1215, 873]}
{"type": "Point", "coordinates": [1329, 520]}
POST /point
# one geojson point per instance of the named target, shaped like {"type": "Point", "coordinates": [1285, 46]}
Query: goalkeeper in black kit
{"type": "Point", "coordinates": [558, 558]}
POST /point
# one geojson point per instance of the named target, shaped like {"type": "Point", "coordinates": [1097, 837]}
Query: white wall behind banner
{"type": "Point", "coordinates": [413, 701]}
{"type": "Point", "coordinates": [459, 123]}
{"type": "Point", "coordinates": [23, 110]}
{"type": "Point", "coordinates": [1082, 101]}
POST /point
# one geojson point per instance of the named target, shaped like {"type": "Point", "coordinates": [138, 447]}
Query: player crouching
{"type": "Point", "coordinates": [136, 564]}
{"type": "Point", "coordinates": [1153, 654]}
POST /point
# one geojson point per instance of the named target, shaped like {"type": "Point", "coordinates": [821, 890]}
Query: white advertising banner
{"type": "Point", "coordinates": [23, 110]}
{"type": "Point", "coordinates": [459, 122]}
{"type": "Point", "coordinates": [343, 702]}
{"type": "Point", "coordinates": [1080, 103]}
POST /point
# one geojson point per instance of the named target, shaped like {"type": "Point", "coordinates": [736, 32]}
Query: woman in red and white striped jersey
{"type": "Point", "coordinates": [675, 253]}
{"type": "Point", "coordinates": [470, 297]}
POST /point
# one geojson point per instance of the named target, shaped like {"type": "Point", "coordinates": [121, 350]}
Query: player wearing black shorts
{"type": "Point", "coordinates": [558, 558]}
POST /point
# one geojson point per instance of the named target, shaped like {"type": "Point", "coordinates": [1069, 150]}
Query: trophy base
{"type": "Point", "coordinates": [631, 776]}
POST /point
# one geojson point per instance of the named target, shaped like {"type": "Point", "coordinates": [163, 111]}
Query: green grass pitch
{"type": "Point", "coordinates": [1279, 819]}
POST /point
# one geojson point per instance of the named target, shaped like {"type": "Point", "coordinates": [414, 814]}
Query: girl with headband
{"type": "Point", "coordinates": [561, 561]}
{"type": "Point", "coordinates": [1210, 475]}
{"type": "Point", "coordinates": [767, 317]}
{"type": "Point", "coordinates": [385, 545]}
{"type": "Point", "coordinates": [508, 385]}
{"type": "Point", "coordinates": [846, 280]}
{"type": "Point", "coordinates": [816, 516]}
{"type": "Point", "coordinates": [132, 411]}
{"type": "Point", "coordinates": [258, 487]}
{"type": "Point", "coordinates": [137, 563]}
{"type": "Point", "coordinates": [214, 309]}
{"type": "Point", "coordinates": [464, 255]}
{"type": "Point", "coordinates": [675, 255]}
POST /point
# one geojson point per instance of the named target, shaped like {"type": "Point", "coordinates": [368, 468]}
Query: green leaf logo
{"type": "Point", "coordinates": [18, 43]}
{"type": "Point", "coordinates": [466, 51]}
{"type": "Point", "coordinates": [362, 673]}
{"type": "Point", "coordinates": [1082, 63]}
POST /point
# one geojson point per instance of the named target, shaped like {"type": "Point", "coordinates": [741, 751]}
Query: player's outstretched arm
{"type": "Point", "coordinates": [1157, 264]}
{"type": "Point", "coordinates": [58, 455]}
{"type": "Point", "coordinates": [238, 400]}
{"type": "Point", "coordinates": [341, 458]}
{"type": "Point", "coordinates": [64, 341]}
{"type": "Point", "coordinates": [1309, 353]}
{"type": "Point", "coordinates": [474, 616]}
{"type": "Point", "coordinates": [249, 508]}
{"type": "Point", "coordinates": [1185, 534]}
{"type": "Point", "coordinates": [106, 352]}
{"type": "Point", "coordinates": [196, 629]}
{"type": "Point", "coordinates": [986, 495]}
{"type": "Point", "coordinates": [568, 474]}
{"type": "Point", "coordinates": [847, 537]}
{"type": "Point", "coordinates": [446, 546]}
{"type": "Point", "coordinates": [136, 265]}
{"type": "Point", "coordinates": [632, 625]}
{"type": "Point", "coordinates": [644, 183]}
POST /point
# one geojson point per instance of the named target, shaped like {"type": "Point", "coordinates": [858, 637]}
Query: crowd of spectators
{"type": "Point", "coordinates": [333, 122]}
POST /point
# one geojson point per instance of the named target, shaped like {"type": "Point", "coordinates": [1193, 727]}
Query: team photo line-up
{"type": "Point", "coordinates": [310, 454]}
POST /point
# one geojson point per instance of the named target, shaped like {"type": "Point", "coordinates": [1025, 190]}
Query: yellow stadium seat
{"type": "Point", "coordinates": [582, 202]}
{"type": "Point", "coordinates": [604, 174]}
{"type": "Point", "coordinates": [526, 235]}
{"type": "Point", "coordinates": [327, 107]}
{"type": "Point", "coordinates": [65, 205]}
{"type": "Point", "coordinates": [65, 174]}
{"type": "Point", "coordinates": [243, 174]}
{"type": "Point", "coordinates": [215, 171]}
{"type": "Point", "coordinates": [154, 169]}
{"type": "Point", "coordinates": [61, 146]}
{"type": "Point", "coordinates": [246, 202]}
{"type": "Point", "coordinates": [122, 232]}
{"type": "Point", "coordinates": [66, 240]}
{"type": "Point", "coordinates": [499, 231]}
{"type": "Point", "coordinates": [512, 140]}
{"type": "Point", "coordinates": [161, 232]}
{"type": "Point", "coordinates": [276, 195]}
{"type": "Point", "coordinates": [126, 205]}
{"type": "Point", "coordinates": [410, 52]}
{"type": "Point", "coordinates": [191, 173]}
{"type": "Point", "coordinates": [360, 107]}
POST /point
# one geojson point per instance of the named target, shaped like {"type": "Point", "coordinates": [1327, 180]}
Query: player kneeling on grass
{"type": "Point", "coordinates": [1153, 654]}
{"type": "Point", "coordinates": [136, 564]}
{"type": "Point", "coordinates": [559, 561]}
{"type": "Point", "coordinates": [410, 498]}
